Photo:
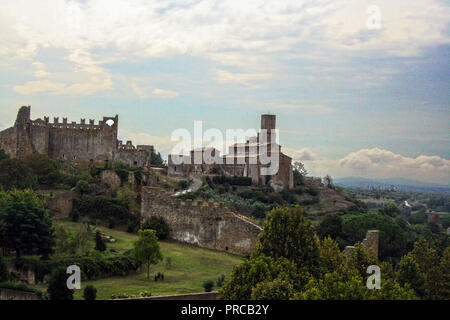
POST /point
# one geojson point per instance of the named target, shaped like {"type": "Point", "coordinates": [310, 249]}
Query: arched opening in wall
{"type": "Point", "coordinates": [110, 122]}
{"type": "Point", "coordinates": [226, 248]}
{"type": "Point", "coordinates": [135, 163]}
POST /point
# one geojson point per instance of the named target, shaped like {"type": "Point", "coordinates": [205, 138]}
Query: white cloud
{"type": "Point", "coordinates": [224, 76]}
{"type": "Point", "coordinates": [376, 163]}
{"type": "Point", "coordinates": [140, 92]}
{"type": "Point", "coordinates": [242, 34]}
{"type": "Point", "coordinates": [318, 109]}
{"type": "Point", "coordinates": [165, 94]}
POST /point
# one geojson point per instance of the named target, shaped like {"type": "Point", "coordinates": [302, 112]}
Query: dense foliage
{"type": "Point", "coordinates": [159, 225]}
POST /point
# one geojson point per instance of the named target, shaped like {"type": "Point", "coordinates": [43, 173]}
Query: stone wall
{"type": "Point", "coordinates": [10, 294]}
{"type": "Point", "coordinates": [189, 296]}
{"type": "Point", "coordinates": [60, 204]}
{"type": "Point", "coordinates": [206, 224]}
{"type": "Point", "coordinates": [370, 242]}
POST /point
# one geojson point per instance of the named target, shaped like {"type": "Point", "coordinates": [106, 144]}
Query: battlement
{"type": "Point", "coordinates": [82, 125]}
{"type": "Point", "coordinates": [85, 142]}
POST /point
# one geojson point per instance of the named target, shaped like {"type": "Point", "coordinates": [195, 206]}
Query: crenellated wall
{"type": "Point", "coordinates": [84, 143]}
{"type": "Point", "coordinates": [206, 224]}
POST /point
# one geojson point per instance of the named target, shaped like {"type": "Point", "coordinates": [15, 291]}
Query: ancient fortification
{"type": "Point", "coordinates": [206, 224]}
{"type": "Point", "coordinates": [243, 159]}
{"type": "Point", "coordinates": [82, 143]}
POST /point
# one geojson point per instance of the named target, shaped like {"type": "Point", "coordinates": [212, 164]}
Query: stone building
{"type": "Point", "coordinates": [82, 143]}
{"type": "Point", "coordinates": [250, 159]}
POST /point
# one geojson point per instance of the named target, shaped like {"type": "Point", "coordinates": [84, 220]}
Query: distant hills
{"type": "Point", "coordinates": [395, 183]}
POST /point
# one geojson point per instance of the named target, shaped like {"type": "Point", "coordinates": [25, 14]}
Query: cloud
{"type": "Point", "coordinates": [140, 92]}
{"type": "Point", "coordinates": [165, 94]}
{"type": "Point", "coordinates": [224, 76]}
{"type": "Point", "coordinates": [375, 163]}
{"type": "Point", "coordinates": [251, 36]}
{"type": "Point", "coordinates": [317, 109]}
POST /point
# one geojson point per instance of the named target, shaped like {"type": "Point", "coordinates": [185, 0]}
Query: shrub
{"type": "Point", "coordinates": [82, 186]}
{"type": "Point", "coordinates": [208, 285]}
{"type": "Point", "coordinates": [312, 191]}
{"type": "Point", "coordinates": [90, 293]}
{"type": "Point", "coordinates": [183, 184]}
{"type": "Point", "coordinates": [57, 286]}
{"type": "Point", "coordinates": [159, 225]}
{"type": "Point", "coordinates": [4, 274]}
{"type": "Point", "coordinates": [220, 281]}
{"type": "Point", "coordinates": [92, 267]}
{"type": "Point", "coordinates": [99, 243]}
{"type": "Point", "coordinates": [234, 181]}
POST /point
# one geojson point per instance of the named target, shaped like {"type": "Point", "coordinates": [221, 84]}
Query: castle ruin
{"type": "Point", "coordinates": [82, 143]}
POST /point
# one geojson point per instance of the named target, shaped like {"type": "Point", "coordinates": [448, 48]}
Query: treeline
{"type": "Point", "coordinates": [291, 262]}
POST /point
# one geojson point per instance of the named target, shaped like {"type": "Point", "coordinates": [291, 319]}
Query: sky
{"type": "Point", "coordinates": [360, 88]}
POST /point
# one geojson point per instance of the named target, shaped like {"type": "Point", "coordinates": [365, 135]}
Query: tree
{"type": "Point", "coordinates": [27, 228]}
{"type": "Point", "coordinates": [82, 186]}
{"type": "Point", "coordinates": [159, 225]}
{"type": "Point", "coordinates": [146, 249]}
{"type": "Point", "coordinates": [250, 273]}
{"type": "Point", "coordinates": [3, 155]}
{"type": "Point", "coordinates": [287, 233]}
{"type": "Point", "coordinates": [299, 173]}
{"type": "Point", "coordinates": [390, 209]}
{"type": "Point", "coordinates": [99, 243]}
{"type": "Point", "coordinates": [90, 293]}
{"type": "Point", "coordinates": [331, 226]}
{"type": "Point", "coordinates": [157, 160]}
{"type": "Point", "coordinates": [44, 168]}
{"type": "Point", "coordinates": [409, 273]}
{"type": "Point", "coordinates": [4, 274]}
{"type": "Point", "coordinates": [392, 238]}
{"type": "Point", "coordinates": [57, 286]}
{"type": "Point", "coordinates": [277, 289]}
{"type": "Point", "coordinates": [328, 181]}
{"type": "Point", "coordinates": [15, 174]}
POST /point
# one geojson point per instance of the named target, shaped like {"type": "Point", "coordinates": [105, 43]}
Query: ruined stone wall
{"type": "Point", "coordinates": [60, 204]}
{"type": "Point", "coordinates": [82, 143]}
{"type": "Point", "coordinates": [206, 224]}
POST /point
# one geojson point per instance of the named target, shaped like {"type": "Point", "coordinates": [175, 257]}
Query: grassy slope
{"type": "Point", "coordinates": [190, 267]}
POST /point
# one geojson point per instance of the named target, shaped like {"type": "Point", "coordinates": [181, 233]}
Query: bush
{"type": "Point", "coordinates": [15, 174]}
{"type": "Point", "coordinates": [159, 225]}
{"type": "Point", "coordinates": [82, 186]}
{"type": "Point", "coordinates": [183, 184]}
{"type": "Point", "coordinates": [57, 286]}
{"type": "Point", "coordinates": [90, 293]}
{"type": "Point", "coordinates": [99, 243]}
{"type": "Point", "coordinates": [312, 191]}
{"type": "Point", "coordinates": [234, 181]}
{"type": "Point", "coordinates": [92, 267]}
{"type": "Point", "coordinates": [208, 285]}
{"type": "Point", "coordinates": [220, 281]}
{"type": "Point", "coordinates": [102, 208]}
{"type": "Point", "coordinates": [44, 168]}
{"type": "Point", "coordinates": [4, 274]}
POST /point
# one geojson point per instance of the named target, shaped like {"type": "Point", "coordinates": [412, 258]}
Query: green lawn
{"type": "Point", "coordinates": [190, 267]}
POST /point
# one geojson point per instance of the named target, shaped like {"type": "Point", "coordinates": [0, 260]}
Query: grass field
{"type": "Point", "coordinates": [190, 267]}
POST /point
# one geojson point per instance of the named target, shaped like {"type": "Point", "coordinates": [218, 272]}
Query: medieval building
{"type": "Point", "coordinates": [82, 143]}
{"type": "Point", "coordinates": [250, 159]}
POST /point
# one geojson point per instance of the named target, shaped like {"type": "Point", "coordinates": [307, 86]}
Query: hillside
{"type": "Point", "coordinates": [392, 183]}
